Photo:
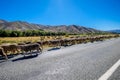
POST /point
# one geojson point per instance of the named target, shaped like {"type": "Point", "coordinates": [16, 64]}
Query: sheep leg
{"type": "Point", "coordinates": [6, 57]}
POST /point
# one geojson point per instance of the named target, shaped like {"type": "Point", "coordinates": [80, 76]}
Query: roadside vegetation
{"type": "Point", "coordinates": [26, 33]}
{"type": "Point", "coordinates": [7, 36]}
{"type": "Point", "coordinates": [15, 36]}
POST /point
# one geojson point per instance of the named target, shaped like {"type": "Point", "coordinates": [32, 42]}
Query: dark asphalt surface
{"type": "Point", "coordinates": [78, 62]}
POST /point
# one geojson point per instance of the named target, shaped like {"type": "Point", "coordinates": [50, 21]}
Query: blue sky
{"type": "Point", "coordinates": [98, 14]}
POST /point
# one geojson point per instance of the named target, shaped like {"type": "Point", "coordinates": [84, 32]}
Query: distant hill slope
{"type": "Point", "coordinates": [115, 31]}
{"type": "Point", "coordinates": [20, 25]}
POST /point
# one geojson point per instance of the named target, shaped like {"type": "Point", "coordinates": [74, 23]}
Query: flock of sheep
{"type": "Point", "coordinates": [21, 47]}
{"type": "Point", "coordinates": [29, 47]}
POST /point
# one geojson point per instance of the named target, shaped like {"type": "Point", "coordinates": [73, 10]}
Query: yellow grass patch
{"type": "Point", "coordinates": [35, 39]}
{"type": "Point", "coordinates": [29, 39]}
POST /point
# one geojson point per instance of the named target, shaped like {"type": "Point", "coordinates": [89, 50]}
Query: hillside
{"type": "Point", "coordinates": [115, 31]}
{"type": "Point", "coordinates": [20, 25]}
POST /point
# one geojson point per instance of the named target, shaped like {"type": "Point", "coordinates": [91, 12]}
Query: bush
{"type": "Point", "coordinates": [15, 33]}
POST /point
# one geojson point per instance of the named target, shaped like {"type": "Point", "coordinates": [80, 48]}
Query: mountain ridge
{"type": "Point", "coordinates": [23, 25]}
{"type": "Point", "coordinates": [115, 31]}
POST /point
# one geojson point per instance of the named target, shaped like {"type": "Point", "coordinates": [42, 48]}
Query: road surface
{"type": "Point", "coordinates": [78, 62]}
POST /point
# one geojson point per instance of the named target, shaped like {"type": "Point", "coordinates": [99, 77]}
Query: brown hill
{"type": "Point", "coordinates": [20, 25]}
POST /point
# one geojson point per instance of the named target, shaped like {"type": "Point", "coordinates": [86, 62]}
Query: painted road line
{"type": "Point", "coordinates": [109, 72]}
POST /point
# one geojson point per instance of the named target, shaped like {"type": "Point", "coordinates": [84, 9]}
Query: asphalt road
{"type": "Point", "coordinates": [115, 75]}
{"type": "Point", "coordinates": [78, 62]}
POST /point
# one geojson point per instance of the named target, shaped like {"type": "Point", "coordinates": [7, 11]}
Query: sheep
{"type": "Point", "coordinates": [30, 48]}
{"type": "Point", "coordinates": [3, 53]}
{"type": "Point", "coordinates": [21, 43]}
{"type": "Point", "coordinates": [12, 48]}
{"type": "Point", "coordinates": [54, 43]}
{"type": "Point", "coordinates": [65, 42]}
{"type": "Point", "coordinates": [45, 43]}
{"type": "Point", "coordinates": [24, 48]}
{"type": "Point", "coordinates": [28, 42]}
{"type": "Point", "coordinates": [35, 46]}
{"type": "Point", "coordinates": [41, 44]}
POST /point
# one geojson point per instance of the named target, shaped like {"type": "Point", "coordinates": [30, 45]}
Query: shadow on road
{"type": "Point", "coordinates": [9, 56]}
{"type": "Point", "coordinates": [25, 57]}
{"type": "Point", "coordinates": [53, 49]}
{"type": "Point", "coordinates": [2, 59]}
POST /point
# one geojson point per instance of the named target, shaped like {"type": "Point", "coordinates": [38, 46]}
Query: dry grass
{"type": "Point", "coordinates": [29, 39]}
{"type": "Point", "coordinates": [35, 39]}
{"type": "Point", "coordinates": [18, 39]}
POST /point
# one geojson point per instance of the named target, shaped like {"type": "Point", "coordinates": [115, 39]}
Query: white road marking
{"type": "Point", "coordinates": [109, 72]}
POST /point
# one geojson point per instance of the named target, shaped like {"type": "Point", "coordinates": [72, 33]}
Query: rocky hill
{"type": "Point", "coordinates": [20, 25]}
